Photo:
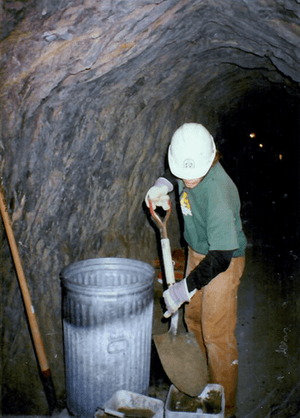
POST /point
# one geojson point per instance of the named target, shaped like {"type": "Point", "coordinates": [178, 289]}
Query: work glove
{"type": "Point", "coordinates": [175, 296]}
{"type": "Point", "coordinates": [158, 196]}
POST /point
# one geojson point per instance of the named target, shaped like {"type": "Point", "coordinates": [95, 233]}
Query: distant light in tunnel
{"type": "Point", "coordinates": [252, 135]}
{"type": "Point", "coordinates": [261, 145]}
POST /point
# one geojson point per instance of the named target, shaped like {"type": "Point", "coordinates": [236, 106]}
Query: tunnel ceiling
{"type": "Point", "coordinates": [169, 43]}
{"type": "Point", "coordinates": [91, 92]}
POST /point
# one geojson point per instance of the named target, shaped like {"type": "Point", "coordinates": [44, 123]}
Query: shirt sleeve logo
{"type": "Point", "coordinates": [185, 204]}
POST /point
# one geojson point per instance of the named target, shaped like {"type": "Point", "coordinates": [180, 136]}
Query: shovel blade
{"type": "Point", "coordinates": [183, 362]}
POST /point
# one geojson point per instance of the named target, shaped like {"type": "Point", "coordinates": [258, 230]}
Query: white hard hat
{"type": "Point", "coordinates": [191, 151]}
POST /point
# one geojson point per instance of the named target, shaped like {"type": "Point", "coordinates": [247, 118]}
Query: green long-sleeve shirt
{"type": "Point", "coordinates": [211, 213]}
{"type": "Point", "coordinates": [212, 223]}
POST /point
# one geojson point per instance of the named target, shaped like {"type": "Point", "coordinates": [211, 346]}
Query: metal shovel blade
{"type": "Point", "coordinates": [183, 361]}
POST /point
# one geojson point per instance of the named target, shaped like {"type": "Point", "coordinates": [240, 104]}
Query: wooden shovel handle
{"type": "Point", "coordinates": [37, 339]}
{"type": "Point", "coordinates": [160, 222]}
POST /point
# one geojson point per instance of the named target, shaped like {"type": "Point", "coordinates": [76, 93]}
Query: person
{"type": "Point", "coordinates": [216, 243]}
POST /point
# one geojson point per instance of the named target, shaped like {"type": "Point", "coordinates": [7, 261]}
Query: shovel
{"type": "Point", "coordinates": [180, 354]}
{"type": "Point", "coordinates": [34, 328]}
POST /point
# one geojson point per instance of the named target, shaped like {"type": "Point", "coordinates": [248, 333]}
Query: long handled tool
{"type": "Point", "coordinates": [35, 332]}
{"type": "Point", "coordinates": [180, 354]}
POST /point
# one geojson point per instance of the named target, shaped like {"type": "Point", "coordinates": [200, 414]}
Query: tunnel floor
{"type": "Point", "coordinates": [267, 333]}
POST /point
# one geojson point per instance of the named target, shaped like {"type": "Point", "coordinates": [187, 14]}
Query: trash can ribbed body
{"type": "Point", "coordinates": [107, 323]}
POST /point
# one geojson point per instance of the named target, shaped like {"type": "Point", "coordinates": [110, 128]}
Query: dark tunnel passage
{"type": "Point", "coordinates": [261, 133]}
{"type": "Point", "coordinates": [91, 95]}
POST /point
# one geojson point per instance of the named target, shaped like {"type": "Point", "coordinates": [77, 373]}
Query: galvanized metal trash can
{"type": "Point", "coordinates": [107, 323]}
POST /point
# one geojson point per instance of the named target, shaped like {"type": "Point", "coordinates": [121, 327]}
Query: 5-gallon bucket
{"type": "Point", "coordinates": [107, 324]}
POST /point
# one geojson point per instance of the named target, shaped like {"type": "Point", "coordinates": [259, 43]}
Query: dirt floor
{"type": "Point", "coordinates": [268, 337]}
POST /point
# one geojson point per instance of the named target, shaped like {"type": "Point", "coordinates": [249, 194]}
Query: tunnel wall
{"type": "Point", "coordinates": [92, 93]}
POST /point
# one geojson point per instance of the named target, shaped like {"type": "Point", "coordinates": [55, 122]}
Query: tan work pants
{"type": "Point", "coordinates": [211, 315]}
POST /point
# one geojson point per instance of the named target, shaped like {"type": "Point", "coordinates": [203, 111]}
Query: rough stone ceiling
{"type": "Point", "coordinates": [82, 41]}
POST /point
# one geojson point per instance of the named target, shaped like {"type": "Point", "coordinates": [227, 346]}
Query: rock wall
{"type": "Point", "coordinates": [91, 94]}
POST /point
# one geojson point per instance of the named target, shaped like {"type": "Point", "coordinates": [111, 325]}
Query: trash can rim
{"type": "Point", "coordinates": [105, 261]}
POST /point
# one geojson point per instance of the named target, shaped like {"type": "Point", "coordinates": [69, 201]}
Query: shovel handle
{"type": "Point", "coordinates": [160, 222]}
{"type": "Point", "coordinates": [165, 243]}
{"type": "Point", "coordinates": [37, 339]}
{"type": "Point", "coordinates": [168, 263]}
{"type": "Point", "coordinates": [167, 259]}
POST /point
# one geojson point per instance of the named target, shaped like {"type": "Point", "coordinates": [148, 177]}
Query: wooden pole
{"type": "Point", "coordinates": [36, 335]}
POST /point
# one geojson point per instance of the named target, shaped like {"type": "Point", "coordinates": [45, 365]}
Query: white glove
{"type": "Point", "coordinates": [158, 196]}
{"type": "Point", "coordinates": [175, 296]}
